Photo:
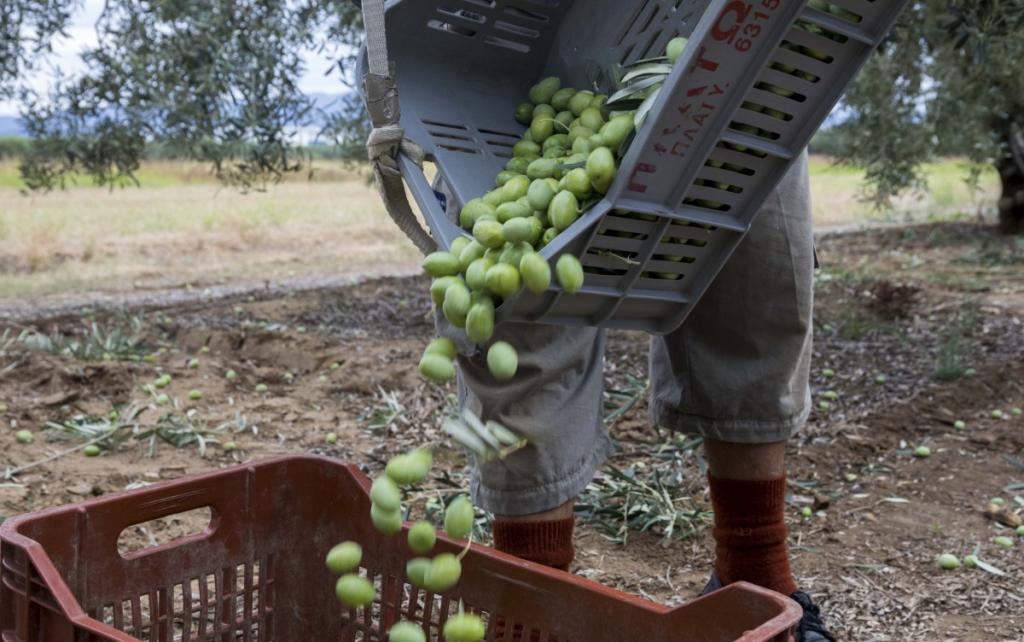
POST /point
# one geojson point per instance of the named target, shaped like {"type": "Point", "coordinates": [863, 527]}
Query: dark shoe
{"type": "Point", "coordinates": [713, 584]}
{"type": "Point", "coordinates": [810, 628]}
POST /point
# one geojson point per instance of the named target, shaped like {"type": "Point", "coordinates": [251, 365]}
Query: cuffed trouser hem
{"type": "Point", "coordinates": [734, 431]}
{"type": "Point", "coordinates": [528, 500]}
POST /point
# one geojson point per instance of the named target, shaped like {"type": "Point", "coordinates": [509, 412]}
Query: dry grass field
{"type": "Point", "coordinates": [180, 229]}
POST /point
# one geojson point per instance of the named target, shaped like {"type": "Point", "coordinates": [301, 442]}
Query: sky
{"type": "Point", "coordinates": [82, 35]}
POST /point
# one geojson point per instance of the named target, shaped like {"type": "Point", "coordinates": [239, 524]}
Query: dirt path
{"type": "Point", "coordinates": [34, 309]}
{"type": "Point", "coordinates": [920, 328]}
{"type": "Point", "coordinates": [28, 310]}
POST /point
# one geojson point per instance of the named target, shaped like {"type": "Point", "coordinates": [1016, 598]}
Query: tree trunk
{"type": "Point", "coordinates": [1011, 172]}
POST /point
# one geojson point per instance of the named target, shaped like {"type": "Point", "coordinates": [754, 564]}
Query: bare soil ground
{"type": "Point", "coordinates": [922, 327]}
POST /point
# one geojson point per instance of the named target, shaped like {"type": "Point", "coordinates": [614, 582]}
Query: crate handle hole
{"type": "Point", "coordinates": [448, 27]}
{"type": "Point", "coordinates": [166, 532]}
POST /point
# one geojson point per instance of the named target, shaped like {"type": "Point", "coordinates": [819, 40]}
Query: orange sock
{"type": "Point", "coordinates": [750, 533]}
{"type": "Point", "coordinates": [547, 542]}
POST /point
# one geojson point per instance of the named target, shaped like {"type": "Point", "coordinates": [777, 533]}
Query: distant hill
{"type": "Point", "coordinates": [9, 125]}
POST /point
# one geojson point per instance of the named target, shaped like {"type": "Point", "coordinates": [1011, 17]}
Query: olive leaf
{"type": "Point", "coordinates": [633, 89]}
{"type": "Point", "coordinates": [480, 430]}
{"type": "Point", "coordinates": [503, 434]}
{"type": "Point", "coordinates": [487, 441]}
{"type": "Point", "coordinates": [646, 61]}
{"type": "Point", "coordinates": [464, 436]}
{"type": "Point", "coordinates": [645, 108]}
{"type": "Point", "coordinates": [647, 70]}
{"type": "Point", "coordinates": [988, 568]}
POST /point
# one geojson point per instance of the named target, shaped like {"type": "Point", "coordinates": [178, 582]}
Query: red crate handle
{"type": "Point", "coordinates": [115, 513]}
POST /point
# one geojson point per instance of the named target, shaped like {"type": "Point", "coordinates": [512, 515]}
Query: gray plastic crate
{"type": "Point", "coordinates": [695, 176]}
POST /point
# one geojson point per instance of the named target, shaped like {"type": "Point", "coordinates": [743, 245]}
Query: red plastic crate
{"type": "Point", "coordinates": [256, 574]}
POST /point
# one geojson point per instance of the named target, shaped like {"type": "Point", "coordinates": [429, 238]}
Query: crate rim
{"type": "Point", "coordinates": [71, 606]}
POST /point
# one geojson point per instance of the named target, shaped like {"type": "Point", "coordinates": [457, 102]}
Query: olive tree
{"type": "Point", "coordinates": [27, 29]}
{"type": "Point", "coordinates": [216, 80]}
{"type": "Point", "coordinates": [949, 78]}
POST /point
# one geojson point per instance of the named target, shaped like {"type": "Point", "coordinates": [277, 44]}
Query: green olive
{"type": "Point", "coordinates": [440, 264]}
{"type": "Point", "coordinates": [526, 148]}
{"type": "Point", "coordinates": [387, 522]}
{"type": "Point", "coordinates": [473, 251]}
{"type": "Point", "coordinates": [560, 99]}
{"type": "Point", "coordinates": [541, 128]}
{"type": "Point", "coordinates": [422, 537]}
{"type": "Point", "coordinates": [516, 187]}
{"type": "Point", "coordinates": [488, 233]}
{"type": "Point", "coordinates": [385, 494]}
{"type": "Point", "coordinates": [464, 627]}
{"type": "Point", "coordinates": [564, 210]}
{"type": "Point", "coordinates": [675, 49]}
{"type": "Point", "coordinates": [503, 280]}
{"type": "Point", "coordinates": [542, 168]}
{"type": "Point", "coordinates": [557, 140]}
{"type": "Point", "coordinates": [569, 271]}
{"type": "Point", "coordinates": [517, 164]}
{"type": "Point", "coordinates": [514, 252]}
{"type": "Point", "coordinates": [406, 632]}
{"type": "Point", "coordinates": [536, 273]}
{"type": "Point", "coordinates": [540, 194]}
{"type": "Point", "coordinates": [511, 210]}
{"type": "Point", "coordinates": [582, 146]}
{"type": "Point", "coordinates": [408, 469]}
{"type": "Point", "coordinates": [476, 274]}
{"type": "Point", "coordinates": [592, 119]}
{"type": "Point", "coordinates": [545, 90]}
{"type": "Point", "coordinates": [502, 361]}
{"type": "Point", "coordinates": [480, 322]}
{"type": "Point", "coordinates": [494, 198]}
{"type": "Point", "coordinates": [616, 130]}
{"type": "Point", "coordinates": [472, 212]}
{"type": "Point", "coordinates": [416, 571]}
{"type": "Point", "coordinates": [601, 169]}
{"type": "Point", "coordinates": [577, 181]}
{"type": "Point", "coordinates": [436, 368]}
{"type": "Point", "coordinates": [524, 113]}
{"type": "Point", "coordinates": [580, 102]}
{"type": "Point", "coordinates": [536, 228]}
{"type": "Point", "coordinates": [443, 346]}
{"type": "Point", "coordinates": [459, 518]}
{"type": "Point", "coordinates": [503, 177]}
{"type": "Point", "coordinates": [344, 557]}
{"type": "Point", "coordinates": [444, 573]}
{"type": "Point", "coordinates": [440, 286]}
{"type": "Point", "coordinates": [456, 304]}
{"type": "Point", "coordinates": [354, 591]}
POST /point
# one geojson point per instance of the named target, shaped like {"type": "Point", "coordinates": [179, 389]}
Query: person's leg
{"type": "Point", "coordinates": [748, 493]}
{"type": "Point", "coordinates": [555, 402]}
{"type": "Point", "coordinates": [737, 373]}
{"type": "Point", "coordinates": [746, 461]}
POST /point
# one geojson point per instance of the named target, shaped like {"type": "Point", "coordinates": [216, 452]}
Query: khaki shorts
{"type": "Point", "coordinates": [736, 371]}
